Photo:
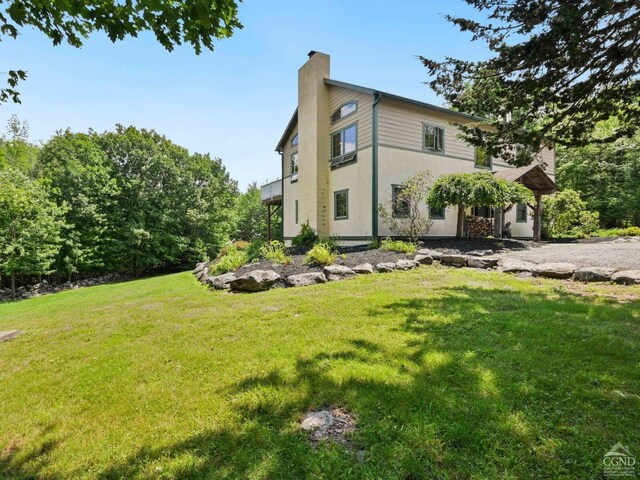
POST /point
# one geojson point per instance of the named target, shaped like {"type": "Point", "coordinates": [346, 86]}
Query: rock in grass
{"type": "Point", "coordinates": [9, 334]}
{"type": "Point", "coordinates": [626, 277]}
{"type": "Point", "coordinates": [320, 420]}
{"type": "Point", "coordinates": [338, 272]}
{"type": "Point", "coordinates": [424, 259]}
{"type": "Point", "coordinates": [221, 282]}
{"type": "Point", "coordinates": [555, 270]}
{"type": "Point", "coordinates": [454, 260]}
{"type": "Point", "coordinates": [482, 262]}
{"type": "Point", "coordinates": [404, 264]}
{"type": "Point", "coordinates": [436, 255]}
{"type": "Point", "coordinates": [386, 267]}
{"type": "Point", "coordinates": [363, 268]}
{"type": "Point", "coordinates": [513, 265]}
{"type": "Point", "coordinates": [304, 279]}
{"type": "Point", "coordinates": [593, 274]}
{"type": "Point", "coordinates": [255, 281]}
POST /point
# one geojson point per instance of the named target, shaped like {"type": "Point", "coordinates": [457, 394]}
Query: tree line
{"type": "Point", "coordinates": [127, 201]}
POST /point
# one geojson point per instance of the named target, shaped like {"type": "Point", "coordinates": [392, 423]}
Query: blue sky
{"type": "Point", "coordinates": [234, 102]}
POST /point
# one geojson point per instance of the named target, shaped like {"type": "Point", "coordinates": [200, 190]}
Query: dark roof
{"type": "Point", "coordinates": [371, 91]}
{"type": "Point", "coordinates": [532, 177]}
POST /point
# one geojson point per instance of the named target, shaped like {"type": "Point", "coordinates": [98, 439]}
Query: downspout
{"type": "Point", "coordinates": [374, 165]}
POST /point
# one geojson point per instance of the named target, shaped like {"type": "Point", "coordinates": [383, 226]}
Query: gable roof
{"type": "Point", "coordinates": [532, 177]}
{"type": "Point", "coordinates": [371, 91]}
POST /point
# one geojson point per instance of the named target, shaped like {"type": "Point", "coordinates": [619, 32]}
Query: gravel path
{"type": "Point", "coordinates": [619, 254]}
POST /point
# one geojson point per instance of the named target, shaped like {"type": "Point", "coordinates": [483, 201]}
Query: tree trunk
{"type": "Point", "coordinates": [13, 285]}
{"type": "Point", "coordinates": [460, 226]}
{"type": "Point", "coordinates": [537, 219]}
{"type": "Point", "coordinates": [497, 222]}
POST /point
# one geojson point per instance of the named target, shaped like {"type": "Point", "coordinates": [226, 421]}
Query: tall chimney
{"type": "Point", "coordinates": [313, 146]}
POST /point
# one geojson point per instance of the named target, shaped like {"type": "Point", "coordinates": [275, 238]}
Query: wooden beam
{"type": "Point", "coordinates": [268, 222]}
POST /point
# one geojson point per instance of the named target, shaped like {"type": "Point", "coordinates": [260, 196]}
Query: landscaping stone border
{"type": "Point", "coordinates": [261, 280]}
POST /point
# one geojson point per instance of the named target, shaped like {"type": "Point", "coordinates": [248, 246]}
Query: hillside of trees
{"type": "Point", "coordinates": [127, 201]}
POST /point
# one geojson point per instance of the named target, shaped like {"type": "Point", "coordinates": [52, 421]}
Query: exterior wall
{"type": "Point", "coordinates": [400, 155]}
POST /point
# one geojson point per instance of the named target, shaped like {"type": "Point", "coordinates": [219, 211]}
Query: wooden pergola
{"type": "Point", "coordinates": [535, 179]}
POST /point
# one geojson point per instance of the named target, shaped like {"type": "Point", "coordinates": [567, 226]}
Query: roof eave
{"type": "Point", "coordinates": [287, 131]}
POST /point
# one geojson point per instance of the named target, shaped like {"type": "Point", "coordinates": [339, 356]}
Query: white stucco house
{"type": "Point", "coordinates": [347, 148]}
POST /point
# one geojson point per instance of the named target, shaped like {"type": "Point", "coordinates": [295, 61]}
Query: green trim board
{"type": "Point", "coordinates": [374, 165]}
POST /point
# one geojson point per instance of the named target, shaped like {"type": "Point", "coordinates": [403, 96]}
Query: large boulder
{"type": "Point", "coordinates": [404, 264]}
{"type": "Point", "coordinates": [221, 282]}
{"type": "Point", "coordinates": [482, 262]}
{"type": "Point", "coordinates": [454, 260]}
{"type": "Point", "coordinates": [304, 279]}
{"type": "Point", "coordinates": [513, 265]}
{"type": "Point", "coordinates": [626, 277]}
{"type": "Point", "coordinates": [255, 281]}
{"type": "Point", "coordinates": [386, 267]}
{"type": "Point", "coordinates": [338, 272]}
{"type": "Point", "coordinates": [593, 274]}
{"type": "Point", "coordinates": [363, 268]}
{"type": "Point", "coordinates": [436, 255]}
{"type": "Point", "coordinates": [202, 274]}
{"type": "Point", "coordinates": [479, 253]}
{"type": "Point", "coordinates": [555, 270]}
{"type": "Point", "coordinates": [424, 259]}
{"type": "Point", "coordinates": [199, 267]}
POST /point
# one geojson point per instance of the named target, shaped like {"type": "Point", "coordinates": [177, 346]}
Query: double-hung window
{"type": "Point", "coordinates": [341, 204]}
{"type": "Point", "coordinates": [294, 167]}
{"type": "Point", "coordinates": [482, 158]}
{"type": "Point", "coordinates": [400, 205]}
{"type": "Point", "coordinates": [344, 145]}
{"type": "Point", "coordinates": [433, 138]}
{"type": "Point", "coordinates": [521, 213]}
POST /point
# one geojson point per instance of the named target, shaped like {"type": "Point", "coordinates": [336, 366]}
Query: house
{"type": "Point", "coordinates": [347, 148]}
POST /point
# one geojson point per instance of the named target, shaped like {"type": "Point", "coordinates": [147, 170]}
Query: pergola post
{"type": "Point", "coordinates": [537, 218]}
{"type": "Point", "coordinates": [268, 222]}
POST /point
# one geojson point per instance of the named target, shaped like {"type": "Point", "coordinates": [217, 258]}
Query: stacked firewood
{"type": "Point", "coordinates": [479, 227]}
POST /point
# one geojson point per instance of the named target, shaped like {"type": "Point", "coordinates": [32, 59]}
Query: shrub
{"type": "Point", "coordinates": [619, 232]}
{"type": "Point", "coordinates": [373, 244]}
{"type": "Point", "coordinates": [275, 251]}
{"type": "Point", "coordinates": [331, 241]}
{"type": "Point", "coordinates": [306, 237]}
{"type": "Point", "coordinates": [321, 254]}
{"type": "Point", "coordinates": [253, 250]}
{"type": "Point", "coordinates": [565, 213]}
{"type": "Point", "coordinates": [231, 261]}
{"type": "Point", "coordinates": [397, 246]}
{"type": "Point", "coordinates": [239, 245]}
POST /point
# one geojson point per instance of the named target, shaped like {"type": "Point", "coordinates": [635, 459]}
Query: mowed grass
{"type": "Point", "coordinates": [451, 374]}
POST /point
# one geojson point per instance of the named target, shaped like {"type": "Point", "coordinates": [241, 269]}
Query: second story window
{"type": "Point", "coordinates": [294, 167]}
{"type": "Point", "coordinates": [433, 138]}
{"type": "Point", "coordinates": [343, 145]}
{"type": "Point", "coordinates": [346, 109]}
{"type": "Point", "coordinates": [294, 140]}
{"type": "Point", "coordinates": [482, 158]}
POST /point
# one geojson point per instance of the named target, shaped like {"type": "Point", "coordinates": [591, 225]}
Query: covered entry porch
{"type": "Point", "coordinates": [535, 179]}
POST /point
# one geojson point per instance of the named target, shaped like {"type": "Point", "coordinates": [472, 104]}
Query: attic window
{"type": "Point", "coordinates": [346, 109]}
{"type": "Point", "coordinates": [294, 141]}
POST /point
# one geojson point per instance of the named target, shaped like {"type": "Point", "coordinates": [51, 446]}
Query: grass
{"type": "Point", "coordinates": [451, 373]}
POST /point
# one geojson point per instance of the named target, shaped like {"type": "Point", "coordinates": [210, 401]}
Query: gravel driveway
{"type": "Point", "coordinates": [621, 254]}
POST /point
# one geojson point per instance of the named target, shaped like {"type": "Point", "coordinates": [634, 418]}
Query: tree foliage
{"type": "Point", "coordinates": [607, 176]}
{"type": "Point", "coordinates": [30, 226]}
{"type": "Point", "coordinates": [565, 213]}
{"type": "Point", "coordinates": [15, 149]}
{"type": "Point", "coordinates": [468, 189]}
{"type": "Point", "coordinates": [412, 194]}
{"type": "Point", "coordinates": [195, 22]}
{"type": "Point", "coordinates": [557, 68]}
{"type": "Point", "coordinates": [252, 217]}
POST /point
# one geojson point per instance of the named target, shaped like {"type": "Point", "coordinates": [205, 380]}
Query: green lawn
{"type": "Point", "coordinates": [451, 374]}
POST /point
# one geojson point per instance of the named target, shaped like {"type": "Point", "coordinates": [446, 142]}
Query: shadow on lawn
{"type": "Point", "coordinates": [470, 381]}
